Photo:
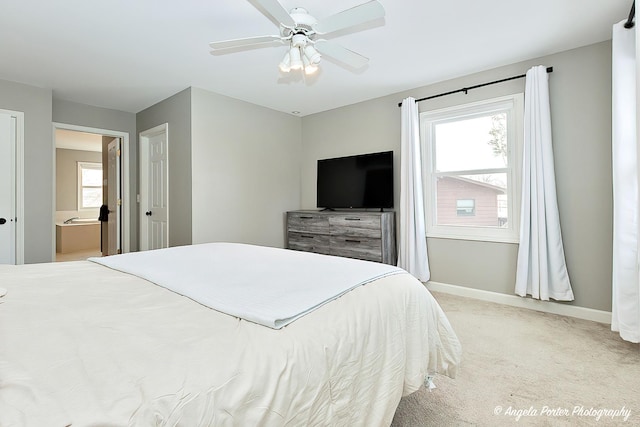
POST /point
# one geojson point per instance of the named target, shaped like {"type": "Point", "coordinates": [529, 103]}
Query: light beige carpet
{"type": "Point", "coordinates": [523, 367]}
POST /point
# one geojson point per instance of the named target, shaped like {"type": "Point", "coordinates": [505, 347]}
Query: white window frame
{"type": "Point", "coordinates": [86, 165]}
{"type": "Point", "coordinates": [513, 105]}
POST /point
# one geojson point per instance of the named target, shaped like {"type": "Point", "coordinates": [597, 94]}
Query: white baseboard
{"type": "Point", "coordinates": [516, 301]}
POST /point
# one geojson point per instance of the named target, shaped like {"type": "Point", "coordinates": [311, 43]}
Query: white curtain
{"type": "Point", "coordinates": [412, 246]}
{"type": "Point", "coordinates": [541, 270]}
{"type": "Point", "coordinates": [625, 308]}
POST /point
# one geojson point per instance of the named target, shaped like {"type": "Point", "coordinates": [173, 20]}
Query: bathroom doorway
{"type": "Point", "coordinates": [88, 193]}
{"type": "Point", "coordinates": [79, 194]}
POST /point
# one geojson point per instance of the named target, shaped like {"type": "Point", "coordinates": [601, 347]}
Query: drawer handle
{"type": "Point", "coordinates": [306, 217]}
{"type": "Point", "coordinates": [307, 237]}
{"type": "Point", "coordinates": [352, 241]}
{"type": "Point", "coordinates": [352, 219]}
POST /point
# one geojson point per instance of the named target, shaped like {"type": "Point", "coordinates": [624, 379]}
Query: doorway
{"type": "Point", "coordinates": [79, 194]}
{"type": "Point", "coordinates": [154, 188]}
{"type": "Point", "coordinates": [91, 198]}
{"type": "Point", "coordinates": [11, 187]}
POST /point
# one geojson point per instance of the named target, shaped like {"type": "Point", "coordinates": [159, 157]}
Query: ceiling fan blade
{"type": "Point", "coordinates": [274, 10]}
{"type": "Point", "coordinates": [351, 17]}
{"type": "Point", "coordinates": [341, 54]}
{"type": "Point", "coordinates": [247, 41]}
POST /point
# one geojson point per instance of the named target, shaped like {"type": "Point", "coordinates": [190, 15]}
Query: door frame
{"type": "Point", "coordinates": [118, 196]}
{"type": "Point", "coordinates": [18, 187]}
{"type": "Point", "coordinates": [143, 139]}
{"type": "Point", "coordinates": [124, 179]}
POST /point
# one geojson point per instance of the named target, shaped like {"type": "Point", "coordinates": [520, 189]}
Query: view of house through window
{"type": "Point", "coordinates": [470, 159]}
{"type": "Point", "coordinates": [89, 185]}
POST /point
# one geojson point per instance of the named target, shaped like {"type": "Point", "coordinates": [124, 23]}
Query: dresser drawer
{"type": "Point", "coordinates": [369, 249]}
{"type": "Point", "coordinates": [363, 235]}
{"type": "Point", "coordinates": [355, 225]}
{"type": "Point", "coordinates": [307, 222]}
{"type": "Point", "coordinates": [308, 242]}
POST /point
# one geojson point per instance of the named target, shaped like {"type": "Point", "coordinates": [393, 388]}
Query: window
{"type": "Point", "coordinates": [465, 207]}
{"type": "Point", "coordinates": [471, 169]}
{"type": "Point", "coordinates": [89, 185]}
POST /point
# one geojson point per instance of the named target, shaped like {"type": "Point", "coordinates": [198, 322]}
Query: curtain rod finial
{"type": "Point", "coordinates": [632, 15]}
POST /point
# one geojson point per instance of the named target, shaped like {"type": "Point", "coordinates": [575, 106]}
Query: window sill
{"type": "Point", "coordinates": [478, 238]}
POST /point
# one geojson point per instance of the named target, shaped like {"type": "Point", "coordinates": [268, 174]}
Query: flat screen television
{"type": "Point", "coordinates": [359, 182]}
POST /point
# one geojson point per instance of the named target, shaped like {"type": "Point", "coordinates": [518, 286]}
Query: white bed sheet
{"type": "Point", "coordinates": [269, 286]}
{"type": "Point", "coordinates": [84, 345]}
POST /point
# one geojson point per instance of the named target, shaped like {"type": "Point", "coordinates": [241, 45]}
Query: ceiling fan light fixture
{"type": "Point", "coordinates": [296, 59]}
{"type": "Point", "coordinates": [309, 67]}
{"type": "Point", "coordinates": [300, 31]}
{"type": "Point", "coordinates": [285, 64]}
{"type": "Point", "coordinates": [312, 54]}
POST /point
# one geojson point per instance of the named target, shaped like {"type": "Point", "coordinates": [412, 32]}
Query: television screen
{"type": "Point", "coordinates": [362, 181]}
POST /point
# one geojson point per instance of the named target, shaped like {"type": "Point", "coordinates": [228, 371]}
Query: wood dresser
{"type": "Point", "coordinates": [361, 234]}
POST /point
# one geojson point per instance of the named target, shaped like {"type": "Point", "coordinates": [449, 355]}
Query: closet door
{"type": "Point", "coordinates": [7, 189]}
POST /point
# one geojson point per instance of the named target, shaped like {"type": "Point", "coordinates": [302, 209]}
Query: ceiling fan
{"type": "Point", "coordinates": [301, 32]}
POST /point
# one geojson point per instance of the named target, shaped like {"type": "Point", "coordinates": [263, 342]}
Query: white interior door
{"type": "Point", "coordinates": [154, 189]}
{"type": "Point", "coordinates": [7, 189]}
{"type": "Point", "coordinates": [114, 198]}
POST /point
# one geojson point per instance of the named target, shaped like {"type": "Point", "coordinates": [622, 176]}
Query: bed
{"type": "Point", "coordinates": [87, 344]}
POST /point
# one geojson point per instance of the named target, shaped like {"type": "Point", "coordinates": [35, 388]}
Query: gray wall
{"type": "Point", "coordinates": [245, 170]}
{"type": "Point", "coordinates": [35, 103]}
{"type": "Point", "coordinates": [580, 90]}
{"type": "Point", "coordinates": [67, 176]}
{"type": "Point", "coordinates": [176, 111]}
{"type": "Point", "coordinates": [73, 113]}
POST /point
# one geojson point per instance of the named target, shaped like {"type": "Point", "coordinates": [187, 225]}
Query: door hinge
{"type": "Point", "coordinates": [119, 202]}
{"type": "Point", "coordinates": [118, 152]}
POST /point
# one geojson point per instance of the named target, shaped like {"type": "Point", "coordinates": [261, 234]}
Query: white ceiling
{"type": "Point", "coordinates": [129, 54]}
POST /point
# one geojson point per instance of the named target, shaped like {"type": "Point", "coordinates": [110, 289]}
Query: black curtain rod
{"type": "Point", "coordinates": [632, 14]}
{"type": "Point", "coordinates": [467, 89]}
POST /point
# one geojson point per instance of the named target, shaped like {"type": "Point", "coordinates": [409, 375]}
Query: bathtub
{"type": "Point", "coordinates": [77, 221]}
{"type": "Point", "coordinates": [81, 234]}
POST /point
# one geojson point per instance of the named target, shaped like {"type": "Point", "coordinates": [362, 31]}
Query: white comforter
{"type": "Point", "coordinates": [84, 345]}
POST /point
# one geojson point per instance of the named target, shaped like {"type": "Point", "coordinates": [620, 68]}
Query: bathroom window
{"type": "Point", "coordinates": [89, 185]}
